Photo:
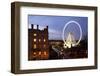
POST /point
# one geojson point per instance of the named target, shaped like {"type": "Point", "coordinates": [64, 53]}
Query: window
{"type": "Point", "coordinates": [35, 34]}
{"type": "Point", "coordinates": [34, 40]}
{"type": "Point", "coordinates": [44, 40]}
{"type": "Point", "coordinates": [45, 53]}
{"type": "Point", "coordinates": [34, 53]}
{"type": "Point", "coordinates": [34, 46]}
{"type": "Point", "coordinates": [39, 40]}
{"type": "Point", "coordinates": [39, 52]}
{"type": "Point", "coordinates": [44, 45]}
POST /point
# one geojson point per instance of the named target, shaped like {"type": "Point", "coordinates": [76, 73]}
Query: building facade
{"type": "Point", "coordinates": [38, 43]}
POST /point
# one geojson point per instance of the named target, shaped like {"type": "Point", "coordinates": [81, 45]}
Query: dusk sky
{"type": "Point", "coordinates": [57, 23]}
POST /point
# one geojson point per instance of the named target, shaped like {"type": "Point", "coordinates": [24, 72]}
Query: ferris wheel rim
{"type": "Point", "coordinates": [66, 25]}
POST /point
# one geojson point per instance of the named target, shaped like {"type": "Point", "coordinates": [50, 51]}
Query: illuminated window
{"type": "Point", "coordinates": [34, 40]}
{"type": "Point", "coordinates": [34, 53]}
{"type": "Point", "coordinates": [39, 40]}
{"type": "Point", "coordinates": [45, 53]}
{"type": "Point", "coordinates": [44, 45]}
{"type": "Point", "coordinates": [44, 40]}
{"type": "Point", "coordinates": [35, 34]}
{"type": "Point", "coordinates": [39, 52]}
{"type": "Point", "coordinates": [34, 46]}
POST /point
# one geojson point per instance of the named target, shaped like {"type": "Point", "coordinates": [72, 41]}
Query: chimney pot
{"type": "Point", "coordinates": [37, 26]}
{"type": "Point", "coordinates": [32, 26]}
{"type": "Point", "coordinates": [47, 27]}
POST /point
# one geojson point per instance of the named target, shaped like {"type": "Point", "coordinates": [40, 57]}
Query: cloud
{"type": "Point", "coordinates": [52, 31]}
{"type": "Point", "coordinates": [54, 34]}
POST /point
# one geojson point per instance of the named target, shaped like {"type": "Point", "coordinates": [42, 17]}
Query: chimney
{"type": "Point", "coordinates": [32, 26]}
{"type": "Point", "coordinates": [37, 27]}
{"type": "Point", "coordinates": [47, 27]}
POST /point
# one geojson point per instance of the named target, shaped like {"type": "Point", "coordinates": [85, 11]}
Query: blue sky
{"type": "Point", "coordinates": [57, 23]}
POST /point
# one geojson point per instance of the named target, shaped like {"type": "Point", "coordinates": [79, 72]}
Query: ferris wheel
{"type": "Point", "coordinates": [70, 40]}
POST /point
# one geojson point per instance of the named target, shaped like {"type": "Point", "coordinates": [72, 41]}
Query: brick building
{"type": "Point", "coordinates": [38, 43]}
